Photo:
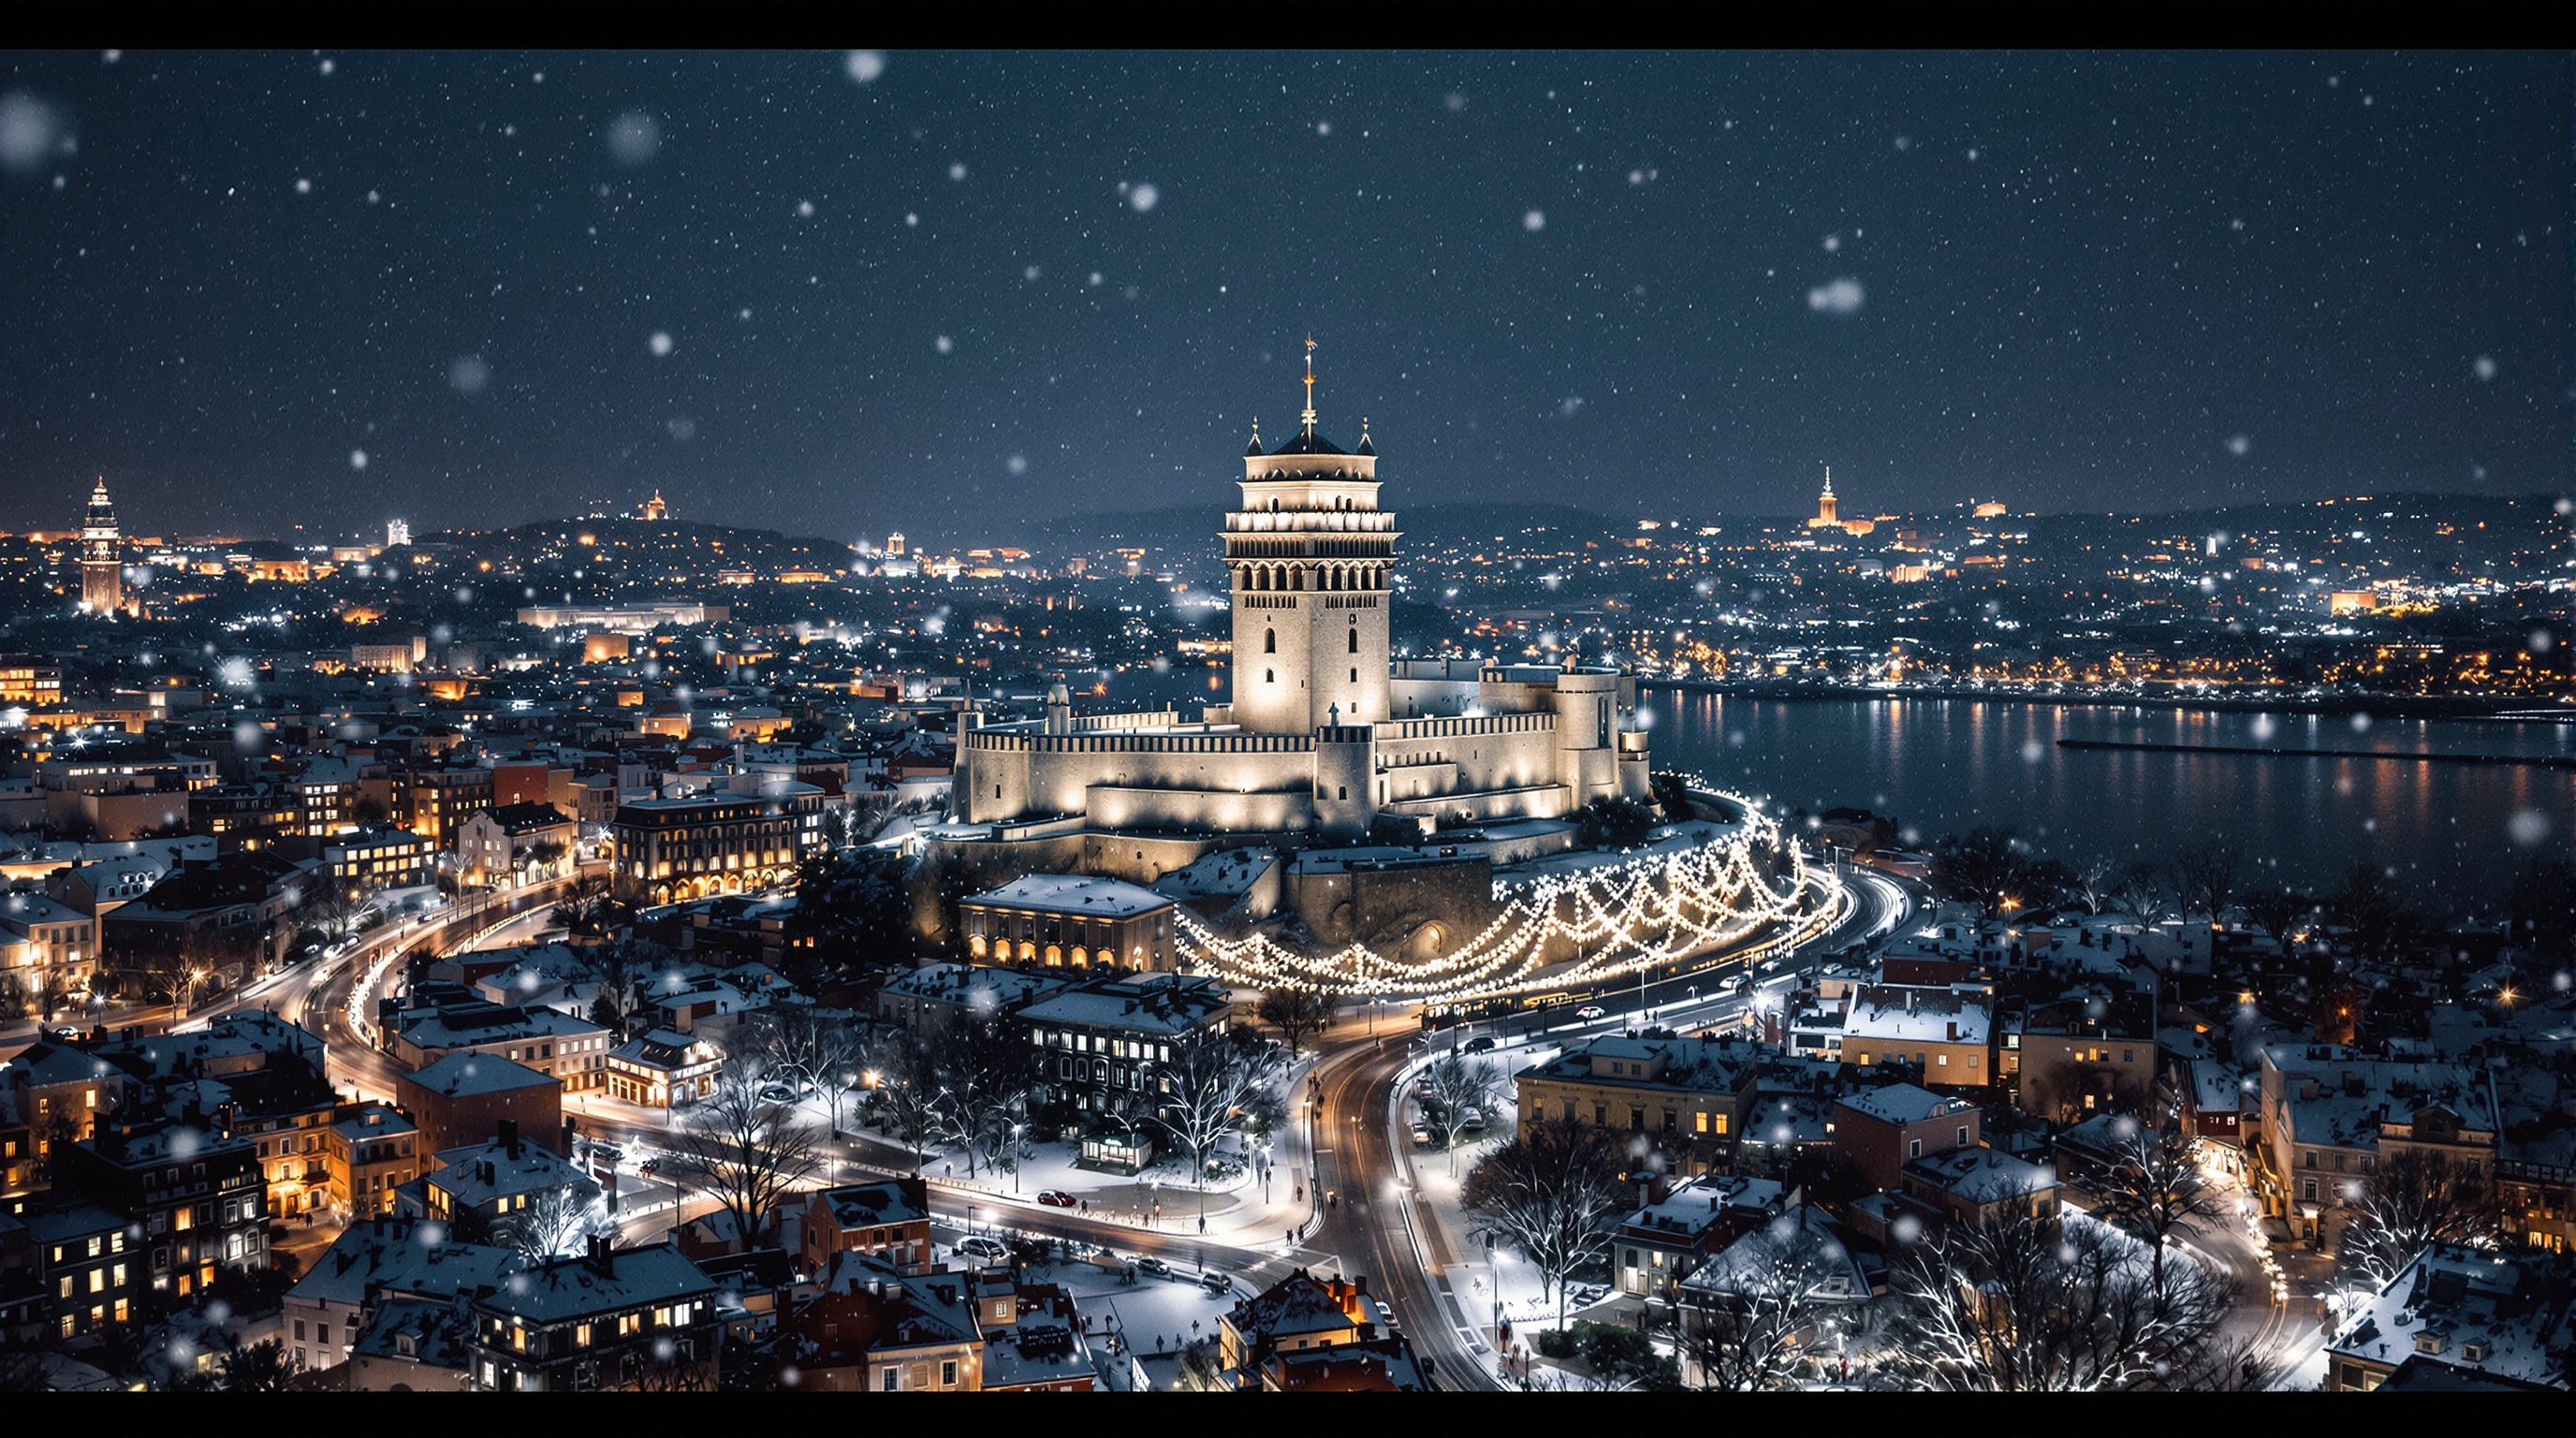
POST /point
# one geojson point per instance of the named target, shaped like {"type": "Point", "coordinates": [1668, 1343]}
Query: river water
{"type": "Point", "coordinates": [2453, 833]}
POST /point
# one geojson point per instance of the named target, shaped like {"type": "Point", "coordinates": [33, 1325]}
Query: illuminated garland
{"type": "Point", "coordinates": [1673, 900]}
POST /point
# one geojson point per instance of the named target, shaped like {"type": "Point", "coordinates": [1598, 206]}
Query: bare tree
{"type": "Point", "coordinates": [586, 910]}
{"type": "Point", "coordinates": [1552, 1193]}
{"type": "Point", "coordinates": [1202, 1091]}
{"type": "Point", "coordinates": [2277, 912]}
{"type": "Point", "coordinates": [1751, 1317]}
{"type": "Point", "coordinates": [985, 1070]}
{"type": "Point", "coordinates": [2162, 1193]}
{"type": "Point", "coordinates": [2143, 895]}
{"type": "Point", "coordinates": [818, 1052]}
{"type": "Point", "coordinates": [741, 1149]}
{"type": "Point", "coordinates": [2042, 1302]}
{"type": "Point", "coordinates": [1298, 1014]}
{"type": "Point", "coordinates": [334, 913]}
{"type": "Point", "coordinates": [906, 1088]}
{"type": "Point", "coordinates": [2205, 877]}
{"type": "Point", "coordinates": [2093, 883]}
{"type": "Point", "coordinates": [554, 1223]}
{"type": "Point", "coordinates": [2417, 1197]}
{"type": "Point", "coordinates": [1457, 1086]}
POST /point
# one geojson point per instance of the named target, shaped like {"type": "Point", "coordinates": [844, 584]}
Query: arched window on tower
{"type": "Point", "coordinates": [1269, 641]}
{"type": "Point", "coordinates": [1269, 676]}
{"type": "Point", "coordinates": [1355, 639]}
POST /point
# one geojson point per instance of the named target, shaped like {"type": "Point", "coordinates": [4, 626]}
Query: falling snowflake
{"type": "Point", "coordinates": [634, 138]}
{"type": "Point", "coordinates": [329, 65]}
{"type": "Point", "coordinates": [1840, 297]}
{"type": "Point", "coordinates": [660, 343]}
{"type": "Point", "coordinates": [943, 344]}
{"type": "Point", "coordinates": [357, 459]}
{"type": "Point", "coordinates": [2239, 446]}
{"type": "Point", "coordinates": [468, 373]}
{"type": "Point", "coordinates": [1833, 243]}
{"type": "Point", "coordinates": [2484, 368]}
{"type": "Point", "coordinates": [804, 209]}
{"type": "Point", "coordinates": [30, 132]}
{"type": "Point", "coordinates": [864, 66]}
{"type": "Point", "coordinates": [2528, 827]}
{"type": "Point", "coordinates": [1534, 221]}
{"type": "Point", "coordinates": [1144, 196]}
{"type": "Point", "coordinates": [2033, 751]}
{"type": "Point", "coordinates": [1017, 464]}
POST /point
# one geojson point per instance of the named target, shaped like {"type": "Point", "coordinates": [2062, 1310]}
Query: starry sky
{"type": "Point", "coordinates": [845, 292]}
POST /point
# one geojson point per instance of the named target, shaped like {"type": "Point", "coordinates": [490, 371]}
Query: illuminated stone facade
{"type": "Point", "coordinates": [1311, 741]}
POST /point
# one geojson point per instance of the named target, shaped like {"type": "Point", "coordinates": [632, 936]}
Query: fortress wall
{"type": "Point", "coordinates": [1118, 806]}
{"type": "Point", "coordinates": [1143, 858]}
{"type": "Point", "coordinates": [1392, 910]}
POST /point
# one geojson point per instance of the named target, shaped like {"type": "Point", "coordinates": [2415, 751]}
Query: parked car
{"type": "Point", "coordinates": [1421, 1136]}
{"type": "Point", "coordinates": [63, 1033]}
{"type": "Point", "coordinates": [1057, 1198]}
{"type": "Point", "coordinates": [777, 1093]}
{"type": "Point", "coordinates": [1481, 1043]}
{"type": "Point", "coordinates": [1590, 1012]}
{"type": "Point", "coordinates": [650, 1165]}
{"type": "Point", "coordinates": [1155, 1266]}
{"type": "Point", "coordinates": [1215, 1282]}
{"type": "Point", "coordinates": [1471, 1121]}
{"type": "Point", "coordinates": [1385, 1314]}
{"type": "Point", "coordinates": [982, 1249]}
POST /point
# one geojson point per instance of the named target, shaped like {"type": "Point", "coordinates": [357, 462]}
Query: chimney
{"type": "Point", "coordinates": [1954, 1031]}
{"type": "Point", "coordinates": [509, 1136]}
{"type": "Point", "coordinates": [603, 1254]}
{"type": "Point", "coordinates": [1909, 1001]}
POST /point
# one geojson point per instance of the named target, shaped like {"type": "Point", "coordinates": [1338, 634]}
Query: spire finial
{"type": "Point", "coordinates": [1829, 479]}
{"type": "Point", "coordinates": [1309, 415]}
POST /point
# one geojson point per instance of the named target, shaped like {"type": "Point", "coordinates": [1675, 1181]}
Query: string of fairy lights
{"type": "Point", "coordinates": [1702, 888]}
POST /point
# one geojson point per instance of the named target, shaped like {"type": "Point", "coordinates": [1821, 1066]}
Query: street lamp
{"type": "Point", "coordinates": [1017, 1129]}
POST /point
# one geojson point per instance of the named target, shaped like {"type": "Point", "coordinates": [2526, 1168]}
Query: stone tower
{"type": "Point", "coordinates": [1309, 557]}
{"type": "Point", "coordinates": [102, 555]}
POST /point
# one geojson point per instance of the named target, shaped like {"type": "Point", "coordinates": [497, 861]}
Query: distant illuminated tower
{"type": "Point", "coordinates": [1310, 557]}
{"type": "Point", "coordinates": [1828, 509]}
{"type": "Point", "coordinates": [894, 545]}
{"type": "Point", "coordinates": [397, 533]}
{"type": "Point", "coordinates": [102, 564]}
{"type": "Point", "coordinates": [654, 508]}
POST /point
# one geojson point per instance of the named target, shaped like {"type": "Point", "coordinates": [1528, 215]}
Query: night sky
{"type": "Point", "coordinates": [839, 294]}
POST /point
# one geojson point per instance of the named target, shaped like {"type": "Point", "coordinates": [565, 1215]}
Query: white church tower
{"type": "Point", "coordinates": [1310, 557]}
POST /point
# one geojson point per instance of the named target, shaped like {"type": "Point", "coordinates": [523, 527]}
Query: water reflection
{"type": "Point", "coordinates": [1944, 765]}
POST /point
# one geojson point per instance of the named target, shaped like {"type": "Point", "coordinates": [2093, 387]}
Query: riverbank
{"type": "Point", "coordinates": [2407, 706]}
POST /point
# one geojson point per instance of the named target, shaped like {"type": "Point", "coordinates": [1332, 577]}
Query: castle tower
{"type": "Point", "coordinates": [655, 509]}
{"type": "Point", "coordinates": [102, 556]}
{"type": "Point", "coordinates": [1310, 557]}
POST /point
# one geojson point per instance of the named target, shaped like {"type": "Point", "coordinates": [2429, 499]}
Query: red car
{"type": "Point", "coordinates": [1057, 1198]}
